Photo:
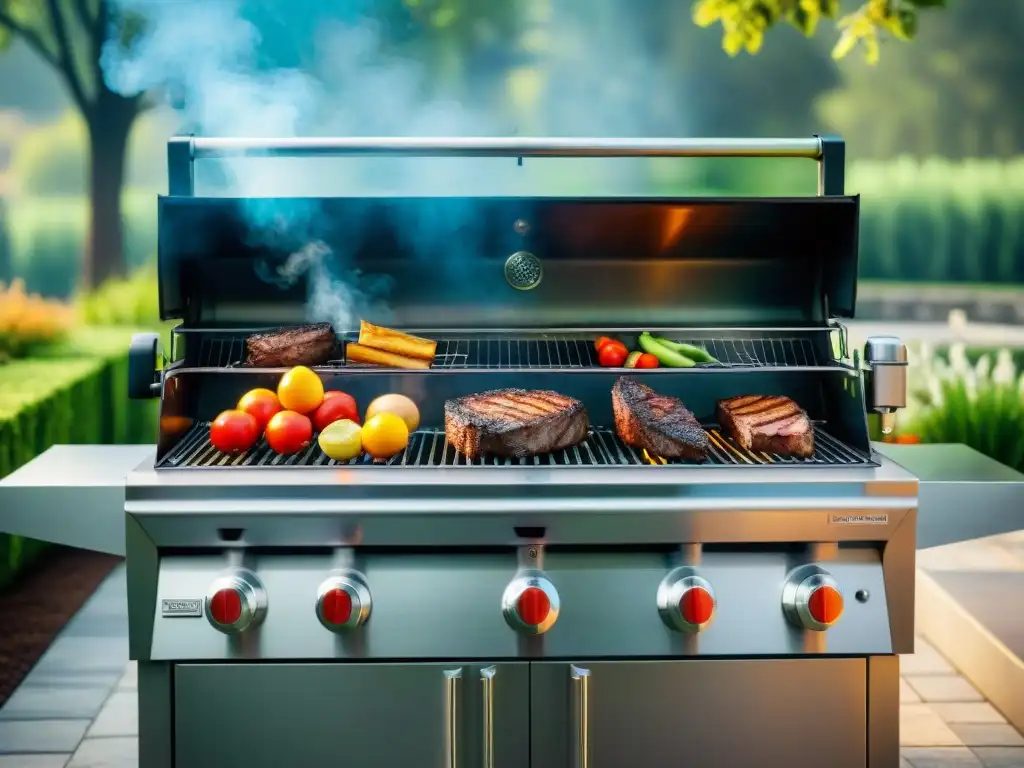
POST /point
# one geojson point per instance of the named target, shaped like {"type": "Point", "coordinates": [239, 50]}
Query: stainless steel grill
{"type": "Point", "coordinates": [470, 609]}
{"type": "Point", "coordinates": [430, 448]}
{"type": "Point", "coordinates": [780, 349]}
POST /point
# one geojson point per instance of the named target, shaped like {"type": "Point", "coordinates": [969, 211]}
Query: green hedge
{"type": "Point", "coordinates": [937, 221]}
{"type": "Point", "coordinates": [75, 394]}
{"type": "Point", "coordinates": [933, 221]}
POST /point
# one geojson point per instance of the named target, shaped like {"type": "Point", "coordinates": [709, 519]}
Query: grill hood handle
{"type": "Point", "coordinates": [183, 151]}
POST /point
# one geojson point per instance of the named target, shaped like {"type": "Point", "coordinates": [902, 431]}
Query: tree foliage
{"type": "Point", "coordinates": [744, 22]}
{"type": "Point", "coordinates": [954, 93]}
{"type": "Point", "coordinates": [69, 36]}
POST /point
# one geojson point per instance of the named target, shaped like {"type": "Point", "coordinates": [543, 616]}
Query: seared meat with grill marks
{"type": "Point", "coordinates": [514, 423]}
{"type": "Point", "coordinates": [659, 424]}
{"type": "Point", "coordinates": [303, 345]}
{"type": "Point", "coordinates": [767, 424]}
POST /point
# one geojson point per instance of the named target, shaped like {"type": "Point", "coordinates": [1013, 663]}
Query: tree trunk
{"type": "Point", "coordinates": [110, 124]}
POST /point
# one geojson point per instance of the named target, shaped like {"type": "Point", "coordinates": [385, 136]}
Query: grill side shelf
{"type": "Point", "coordinates": [430, 448]}
{"type": "Point", "coordinates": [565, 351]}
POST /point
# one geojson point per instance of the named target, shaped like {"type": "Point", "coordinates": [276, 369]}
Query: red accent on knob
{"type": "Point", "coordinates": [226, 606]}
{"type": "Point", "coordinates": [533, 606]}
{"type": "Point", "coordinates": [825, 605]}
{"type": "Point", "coordinates": [336, 606]}
{"type": "Point", "coordinates": [696, 606]}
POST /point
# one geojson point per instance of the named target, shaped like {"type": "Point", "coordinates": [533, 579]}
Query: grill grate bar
{"type": "Point", "coordinates": [558, 352]}
{"type": "Point", "coordinates": [430, 448]}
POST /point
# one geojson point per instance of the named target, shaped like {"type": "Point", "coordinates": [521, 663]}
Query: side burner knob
{"type": "Point", "coordinates": [236, 601]}
{"type": "Point", "coordinates": [686, 601]}
{"type": "Point", "coordinates": [811, 598]}
{"type": "Point", "coordinates": [530, 603]}
{"type": "Point", "coordinates": [343, 601]}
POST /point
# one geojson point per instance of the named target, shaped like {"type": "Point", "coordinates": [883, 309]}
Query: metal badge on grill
{"type": "Point", "coordinates": [523, 271]}
{"type": "Point", "coordinates": [181, 608]}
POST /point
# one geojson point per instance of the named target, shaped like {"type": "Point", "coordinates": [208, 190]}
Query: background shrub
{"type": "Point", "coordinates": [974, 397]}
{"type": "Point", "coordinates": [29, 322]}
{"type": "Point", "coordinates": [130, 301]}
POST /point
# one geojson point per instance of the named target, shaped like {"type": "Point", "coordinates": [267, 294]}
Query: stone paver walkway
{"type": "Point", "coordinates": [77, 708]}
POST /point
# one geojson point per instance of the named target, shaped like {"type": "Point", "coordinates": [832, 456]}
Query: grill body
{"type": "Point", "coordinates": [434, 550]}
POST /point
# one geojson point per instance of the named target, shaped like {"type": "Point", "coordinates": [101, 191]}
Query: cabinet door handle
{"type": "Point", "coordinates": [580, 746]}
{"type": "Point", "coordinates": [452, 681]}
{"type": "Point", "coordinates": [487, 685]}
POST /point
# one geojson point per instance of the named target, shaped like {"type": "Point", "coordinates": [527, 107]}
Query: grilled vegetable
{"type": "Point", "coordinates": [335, 407]}
{"type": "Point", "coordinates": [261, 404]}
{"type": "Point", "coordinates": [341, 440]}
{"type": "Point", "coordinates": [234, 432]}
{"type": "Point", "coordinates": [612, 355]}
{"type": "Point", "coordinates": [384, 435]}
{"type": "Point", "coordinates": [400, 405]}
{"type": "Point", "coordinates": [289, 432]}
{"type": "Point", "coordinates": [360, 353]}
{"type": "Point", "coordinates": [300, 390]}
{"type": "Point", "coordinates": [631, 360]}
{"type": "Point", "coordinates": [697, 354]}
{"type": "Point", "coordinates": [665, 356]}
{"type": "Point", "coordinates": [396, 342]}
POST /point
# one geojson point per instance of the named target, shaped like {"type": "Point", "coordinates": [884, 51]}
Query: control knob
{"type": "Point", "coordinates": [686, 601]}
{"type": "Point", "coordinates": [237, 601]}
{"type": "Point", "coordinates": [343, 601]}
{"type": "Point", "coordinates": [811, 598]}
{"type": "Point", "coordinates": [530, 603]}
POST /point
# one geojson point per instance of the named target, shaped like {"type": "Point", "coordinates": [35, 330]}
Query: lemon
{"type": "Point", "coordinates": [384, 435]}
{"type": "Point", "coordinates": [341, 440]}
{"type": "Point", "coordinates": [400, 405]}
{"type": "Point", "coordinates": [300, 390]}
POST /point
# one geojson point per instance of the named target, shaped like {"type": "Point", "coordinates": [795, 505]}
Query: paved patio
{"type": "Point", "coordinates": [76, 709]}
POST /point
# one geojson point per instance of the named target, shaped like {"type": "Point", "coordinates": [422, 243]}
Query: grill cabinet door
{"type": "Point", "coordinates": [699, 714]}
{"type": "Point", "coordinates": [358, 715]}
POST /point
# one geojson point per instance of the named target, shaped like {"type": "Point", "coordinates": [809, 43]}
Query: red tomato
{"type": "Point", "coordinates": [234, 432]}
{"type": "Point", "coordinates": [335, 407]}
{"type": "Point", "coordinates": [601, 341]}
{"type": "Point", "coordinates": [646, 361]}
{"type": "Point", "coordinates": [261, 404]}
{"type": "Point", "coordinates": [612, 355]}
{"type": "Point", "coordinates": [289, 432]}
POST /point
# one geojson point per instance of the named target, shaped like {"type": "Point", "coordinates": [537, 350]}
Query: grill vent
{"type": "Point", "coordinates": [523, 271]}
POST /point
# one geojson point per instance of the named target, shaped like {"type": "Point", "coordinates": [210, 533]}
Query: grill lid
{"type": "Point", "coordinates": [489, 263]}
{"type": "Point", "coordinates": [497, 263]}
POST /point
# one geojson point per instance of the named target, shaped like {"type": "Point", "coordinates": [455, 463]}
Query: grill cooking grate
{"type": "Point", "coordinates": [429, 448]}
{"type": "Point", "coordinates": [559, 352]}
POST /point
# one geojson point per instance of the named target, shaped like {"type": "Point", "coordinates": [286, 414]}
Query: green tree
{"type": "Point", "coordinates": [69, 36]}
{"type": "Point", "coordinates": [744, 22]}
{"type": "Point", "coordinates": [955, 94]}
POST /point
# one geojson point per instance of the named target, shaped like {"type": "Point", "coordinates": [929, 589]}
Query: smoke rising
{"type": "Point", "coordinates": [285, 68]}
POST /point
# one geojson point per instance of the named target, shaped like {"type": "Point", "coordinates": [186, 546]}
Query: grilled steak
{"type": "Point", "coordinates": [514, 422]}
{"type": "Point", "coordinates": [767, 424]}
{"type": "Point", "coordinates": [659, 424]}
{"type": "Point", "coordinates": [303, 345]}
